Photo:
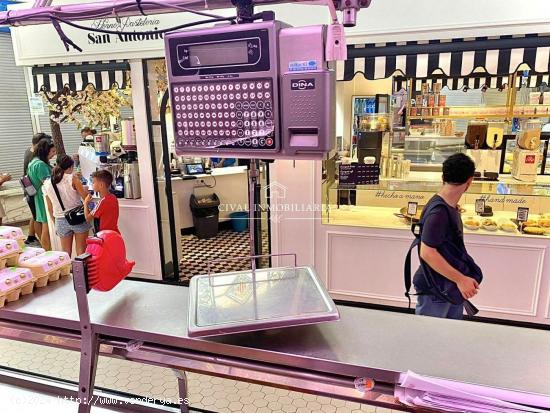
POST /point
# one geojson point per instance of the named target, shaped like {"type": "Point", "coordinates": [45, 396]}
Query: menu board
{"type": "Point", "coordinates": [358, 174]}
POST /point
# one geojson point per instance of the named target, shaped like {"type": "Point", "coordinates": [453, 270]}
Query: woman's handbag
{"type": "Point", "coordinates": [74, 216]}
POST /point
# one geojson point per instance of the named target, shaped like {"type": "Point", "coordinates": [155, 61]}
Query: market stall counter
{"type": "Point", "coordinates": [323, 359]}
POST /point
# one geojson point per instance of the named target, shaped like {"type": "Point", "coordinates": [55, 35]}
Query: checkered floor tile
{"type": "Point", "coordinates": [227, 244]}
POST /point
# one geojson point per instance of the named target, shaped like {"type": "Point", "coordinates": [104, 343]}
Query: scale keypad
{"type": "Point", "coordinates": [235, 114]}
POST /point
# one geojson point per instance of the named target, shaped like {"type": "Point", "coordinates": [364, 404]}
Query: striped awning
{"type": "Point", "coordinates": [102, 75]}
{"type": "Point", "coordinates": [456, 58]}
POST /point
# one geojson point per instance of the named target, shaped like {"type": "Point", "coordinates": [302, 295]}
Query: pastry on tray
{"type": "Point", "coordinates": [544, 222]}
{"type": "Point", "coordinates": [489, 224]}
{"type": "Point", "coordinates": [508, 226]}
{"type": "Point", "coordinates": [472, 224]}
{"type": "Point", "coordinates": [531, 223]}
{"type": "Point", "coordinates": [534, 230]}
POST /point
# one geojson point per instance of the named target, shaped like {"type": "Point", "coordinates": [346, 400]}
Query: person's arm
{"type": "Point", "coordinates": [77, 185]}
{"type": "Point", "coordinates": [50, 207]}
{"type": "Point", "coordinates": [467, 285]}
{"type": "Point", "coordinates": [87, 213]}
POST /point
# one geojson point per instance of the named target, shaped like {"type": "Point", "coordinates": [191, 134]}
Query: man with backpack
{"type": "Point", "coordinates": [447, 277]}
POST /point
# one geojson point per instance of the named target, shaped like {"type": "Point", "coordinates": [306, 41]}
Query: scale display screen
{"type": "Point", "coordinates": [218, 54]}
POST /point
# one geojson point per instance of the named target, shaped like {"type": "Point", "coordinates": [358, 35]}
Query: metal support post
{"type": "Point", "coordinates": [183, 388]}
{"type": "Point", "coordinates": [89, 352]}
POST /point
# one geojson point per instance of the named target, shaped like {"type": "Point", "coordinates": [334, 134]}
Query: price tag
{"type": "Point", "coordinates": [480, 206]}
{"type": "Point", "coordinates": [523, 214]}
{"type": "Point", "coordinates": [412, 207]}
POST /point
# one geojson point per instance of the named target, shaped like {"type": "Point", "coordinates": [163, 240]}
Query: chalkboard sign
{"type": "Point", "coordinates": [358, 174]}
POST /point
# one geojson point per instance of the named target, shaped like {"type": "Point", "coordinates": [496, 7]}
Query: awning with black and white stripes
{"type": "Point", "coordinates": [77, 76]}
{"type": "Point", "coordinates": [457, 83]}
{"type": "Point", "coordinates": [455, 58]}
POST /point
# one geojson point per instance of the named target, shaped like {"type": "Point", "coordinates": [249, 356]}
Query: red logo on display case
{"type": "Point", "coordinates": [530, 158]}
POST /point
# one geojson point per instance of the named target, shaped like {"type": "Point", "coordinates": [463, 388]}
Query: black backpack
{"type": "Point", "coordinates": [438, 285]}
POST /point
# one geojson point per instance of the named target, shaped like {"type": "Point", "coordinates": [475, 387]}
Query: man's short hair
{"type": "Point", "coordinates": [458, 168]}
{"type": "Point", "coordinates": [37, 137]}
{"type": "Point", "coordinates": [103, 176]}
{"type": "Point", "coordinates": [86, 130]}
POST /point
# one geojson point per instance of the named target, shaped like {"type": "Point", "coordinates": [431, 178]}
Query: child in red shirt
{"type": "Point", "coordinates": [105, 213]}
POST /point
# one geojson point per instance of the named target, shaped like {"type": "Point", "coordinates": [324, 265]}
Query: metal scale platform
{"type": "Point", "coordinates": [257, 299]}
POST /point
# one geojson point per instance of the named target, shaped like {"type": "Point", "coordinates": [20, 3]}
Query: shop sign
{"type": "Point", "coordinates": [37, 105]}
{"type": "Point", "coordinates": [126, 26]}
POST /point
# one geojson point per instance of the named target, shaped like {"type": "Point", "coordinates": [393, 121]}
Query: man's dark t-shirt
{"type": "Point", "coordinates": [438, 228]}
{"type": "Point", "coordinates": [29, 154]}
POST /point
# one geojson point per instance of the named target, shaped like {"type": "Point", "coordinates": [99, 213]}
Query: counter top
{"type": "Point", "coordinates": [364, 343]}
{"type": "Point", "coordinates": [216, 172]}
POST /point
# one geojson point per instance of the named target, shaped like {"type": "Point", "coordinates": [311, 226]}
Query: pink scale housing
{"type": "Point", "coordinates": [30, 252]}
{"type": "Point", "coordinates": [14, 233]}
{"type": "Point", "coordinates": [48, 266]}
{"type": "Point", "coordinates": [15, 282]}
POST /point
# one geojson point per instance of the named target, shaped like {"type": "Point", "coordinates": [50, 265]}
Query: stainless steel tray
{"type": "Point", "coordinates": [268, 298]}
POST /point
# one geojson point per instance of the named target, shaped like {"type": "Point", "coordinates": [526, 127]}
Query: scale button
{"type": "Point", "coordinates": [219, 97]}
{"type": "Point", "coordinates": [224, 87]}
{"type": "Point", "coordinates": [226, 106]}
{"type": "Point", "coordinates": [208, 124]}
{"type": "Point", "coordinates": [184, 115]}
{"type": "Point", "coordinates": [178, 115]}
{"type": "Point", "coordinates": [180, 133]}
{"type": "Point", "coordinates": [224, 96]}
{"type": "Point", "coordinates": [253, 123]}
{"type": "Point", "coordinates": [247, 133]}
{"type": "Point", "coordinates": [226, 124]}
{"type": "Point", "coordinates": [253, 105]}
{"type": "Point", "coordinates": [266, 85]}
{"type": "Point", "coordinates": [207, 97]}
{"type": "Point", "coordinates": [187, 89]}
{"type": "Point", "coordinates": [253, 95]}
{"type": "Point", "coordinates": [246, 123]}
{"type": "Point", "coordinates": [247, 142]}
{"type": "Point", "coordinates": [240, 142]}
{"type": "Point", "coordinates": [178, 107]}
{"type": "Point", "coordinates": [267, 104]}
{"type": "Point", "coordinates": [233, 123]}
{"type": "Point", "coordinates": [253, 114]}
{"type": "Point", "coordinates": [245, 86]}
{"type": "Point", "coordinates": [259, 85]}
{"type": "Point", "coordinates": [231, 96]}
{"type": "Point", "coordinates": [230, 86]}
{"type": "Point", "coordinates": [246, 114]}
{"type": "Point", "coordinates": [214, 115]}
{"type": "Point", "coordinates": [209, 132]}
{"type": "Point", "coordinates": [262, 142]}
{"type": "Point", "coordinates": [193, 89]}
{"type": "Point", "coordinates": [240, 124]}
{"type": "Point", "coordinates": [212, 97]}
{"type": "Point", "coordinates": [220, 115]}
{"type": "Point", "coordinates": [261, 114]}
{"type": "Point", "coordinates": [238, 105]}
{"type": "Point", "coordinates": [254, 132]}
{"type": "Point", "coordinates": [239, 115]}
{"type": "Point", "coordinates": [261, 123]}
{"type": "Point", "coordinates": [218, 87]}
{"type": "Point", "coordinates": [260, 105]}
{"type": "Point", "coordinates": [199, 88]}
{"type": "Point", "coordinates": [177, 98]}
{"type": "Point", "coordinates": [201, 106]}
{"type": "Point", "coordinates": [203, 124]}
{"type": "Point", "coordinates": [246, 105]}
{"type": "Point", "coordinates": [267, 95]}
{"type": "Point", "coordinates": [200, 97]}
{"type": "Point", "coordinates": [269, 123]}
{"type": "Point", "coordinates": [254, 142]}
{"type": "Point", "coordinates": [240, 133]}
{"type": "Point", "coordinates": [219, 106]}
{"type": "Point", "coordinates": [260, 95]}
{"type": "Point", "coordinates": [268, 114]}
{"type": "Point", "coordinates": [232, 115]}
{"type": "Point", "coordinates": [216, 142]}
{"type": "Point", "coordinates": [238, 96]}
{"type": "Point", "coordinates": [195, 106]}
{"type": "Point", "coordinates": [237, 87]}
{"type": "Point", "coordinates": [215, 131]}
{"type": "Point", "coordinates": [231, 105]}
{"type": "Point", "coordinates": [201, 115]}
{"type": "Point", "coordinates": [245, 96]}
{"type": "Point", "coordinates": [269, 141]}
{"type": "Point", "coordinates": [233, 133]}
{"type": "Point", "coordinates": [197, 124]}
{"type": "Point", "coordinates": [196, 115]}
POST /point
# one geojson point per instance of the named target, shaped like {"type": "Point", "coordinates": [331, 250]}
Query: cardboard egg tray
{"type": "Point", "coordinates": [15, 282]}
{"type": "Point", "coordinates": [28, 253]}
{"type": "Point", "coordinates": [14, 233]}
{"type": "Point", "coordinates": [9, 252]}
{"type": "Point", "coordinates": [48, 267]}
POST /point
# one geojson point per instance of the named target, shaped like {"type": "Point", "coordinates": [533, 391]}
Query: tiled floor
{"type": "Point", "coordinates": [227, 244]}
{"type": "Point", "coordinates": [205, 392]}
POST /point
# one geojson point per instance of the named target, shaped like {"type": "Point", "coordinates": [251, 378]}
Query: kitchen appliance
{"type": "Point", "coordinates": [128, 134]}
{"type": "Point", "coordinates": [132, 188]}
{"type": "Point", "coordinates": [525, 164]}
{"type": "Point", "coordinates": [369, 144]}
{"type": "Point", "coordinates": [102, 142]}
{"type": "Point", "coordinates": [260, 89]}
{"type": "Point", "coordinates": [476, 134]}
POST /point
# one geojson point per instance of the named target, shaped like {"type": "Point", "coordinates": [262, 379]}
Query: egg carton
{"type": "Point", "coordinates": [15, 282]}
{"type": "Point", "coordinates": [14, 233]}
{"type": "Point", "coordinates": [28, 253]}
{"type": "Point", "coordinates": [9, 252]}
{"type": "Point", "coordinates": [48, 267]}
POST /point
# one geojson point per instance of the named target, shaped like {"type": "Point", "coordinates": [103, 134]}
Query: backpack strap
{"type": "Point", "coordinates": [57, 194]}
